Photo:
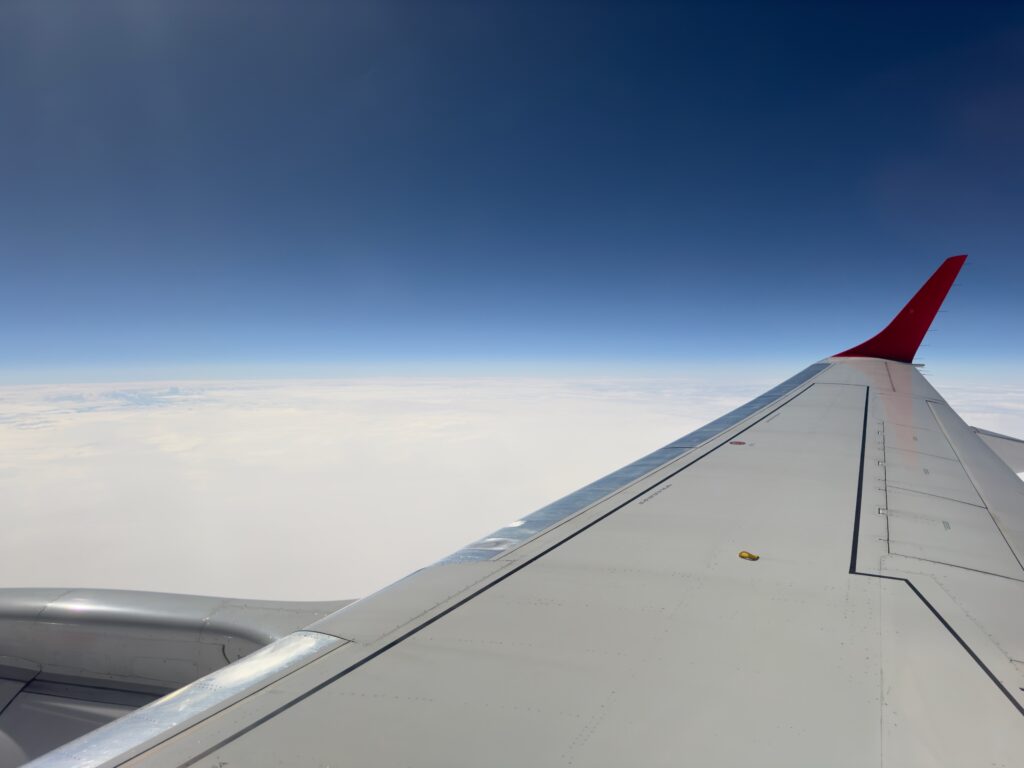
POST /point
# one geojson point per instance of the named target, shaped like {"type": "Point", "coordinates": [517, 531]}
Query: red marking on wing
{"type": "Point", "coordinates": [901, 338]}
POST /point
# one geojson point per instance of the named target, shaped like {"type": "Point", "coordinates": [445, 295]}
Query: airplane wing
{"type": "Point", "coordinates": [829, 575]}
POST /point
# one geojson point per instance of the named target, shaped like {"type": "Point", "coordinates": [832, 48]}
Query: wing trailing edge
{"type": "Point", "coordinates": [900, 339]}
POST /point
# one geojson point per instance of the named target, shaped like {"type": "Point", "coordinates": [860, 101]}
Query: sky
{"type": "Point", "coordinates": [258, 259]}
{"type": "Point", "coordinates": [264, 188]}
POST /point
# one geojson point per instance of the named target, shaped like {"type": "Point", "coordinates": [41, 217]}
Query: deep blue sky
{"type": "Point", "coordinates": [204, 186]}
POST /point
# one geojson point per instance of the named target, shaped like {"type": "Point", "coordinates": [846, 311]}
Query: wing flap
{"type": "Point", "coordinates": [1009, 449]}
{"type": "Point", "coordinates": [1001, 489]}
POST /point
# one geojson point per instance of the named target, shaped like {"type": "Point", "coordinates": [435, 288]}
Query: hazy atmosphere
{"type": "Point", "coordinates": [307, 489]}
{"type": "Point", "coordinates": [324, 489]}
{"type": "Point", "coordinates": [298, 297]}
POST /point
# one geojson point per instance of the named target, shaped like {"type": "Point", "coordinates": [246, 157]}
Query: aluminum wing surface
{"type": "Point", "coordinates": [880, 625]}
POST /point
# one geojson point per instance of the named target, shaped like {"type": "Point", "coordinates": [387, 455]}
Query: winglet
{"type": "Point", "coordinates": [901, 338]}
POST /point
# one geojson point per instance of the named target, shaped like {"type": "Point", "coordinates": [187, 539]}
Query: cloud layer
{"type": "Point", "coordinates": [320, 489]}
{"type": "Point", "coordinates": [308, 489]}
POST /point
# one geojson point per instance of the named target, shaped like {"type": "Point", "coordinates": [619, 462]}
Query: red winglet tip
{"type": "Point", "coordinates": [901, 338]}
